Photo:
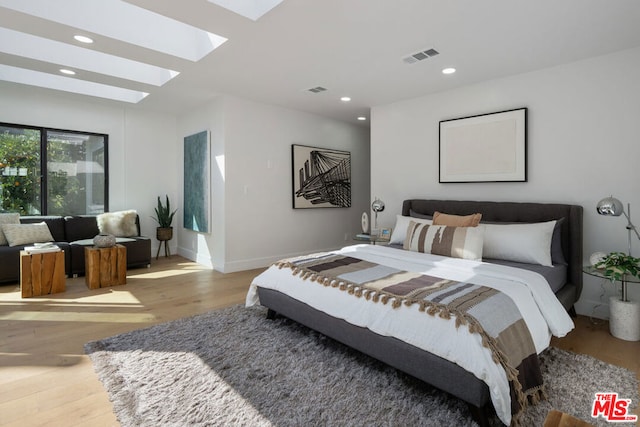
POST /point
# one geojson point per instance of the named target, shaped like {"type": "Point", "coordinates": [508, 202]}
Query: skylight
{"type": "Point", "coordinates": [252, 9]}
{"type": "Point", "coordinates": [122, 21]}
{"type": "Point", "coordinates": [68, 84]}
{"type": "Point", "coordinates": [79, 58]}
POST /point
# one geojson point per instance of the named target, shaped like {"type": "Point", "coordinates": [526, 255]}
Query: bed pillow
{"type": "Point", "coordinates": [472, 220]}
{"type": "Point", "coordinates": [7, 218]}
{"type": "Point", "coordinates": [400, 230]}
{"type": "Point", "coordinates": [25, 234]}
{"type": "Point", "coordinates": [455, 242]}
{"type": "Point", "coordinates": [557, 256]}
{"type": "Point", "coordinates": [528, 243]}
{"type": "Point", "coordinates": [419, 215]}
{"type": "Point", "coordinates": [120, 224]}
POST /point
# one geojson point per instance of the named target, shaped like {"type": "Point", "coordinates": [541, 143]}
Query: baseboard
{"type": "Point", "coordinates": [597, 309]}
{"type": "Point", "coordinates": [194, 256]}
{"type": "Point", "coordinates": [244, 264]}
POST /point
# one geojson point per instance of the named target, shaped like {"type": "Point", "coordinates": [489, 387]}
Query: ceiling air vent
{"type": "Point", "coordinates": [317, 89]}
{"type": "Point", "coordinates": [419, 56]}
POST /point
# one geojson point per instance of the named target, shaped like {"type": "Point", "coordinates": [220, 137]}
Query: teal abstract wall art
{"type": "Point", "coordinates": [196, 182]}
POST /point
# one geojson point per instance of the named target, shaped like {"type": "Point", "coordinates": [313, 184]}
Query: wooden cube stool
{"type": "Point", "coordinates": [105, 267]}
{"type": "Point", "coordinates": [560, 419]}
{"type": "Point", "coordinates": [41, 273]}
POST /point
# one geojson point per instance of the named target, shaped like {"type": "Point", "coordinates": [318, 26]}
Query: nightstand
{"type": "Point", "coordinates": [371, 239]}
{"type": "Point", "coordinates": [624, 315]}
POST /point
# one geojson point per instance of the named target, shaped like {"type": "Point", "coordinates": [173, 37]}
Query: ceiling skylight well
{"type": "Point", "coordinates": [79, 58]}
{"type": "Point", "coordinates": [68, 84]}
{"type": "Point", "coordinates": [122, 21]}
{"type": "Point", "coordinates": [252, 9]}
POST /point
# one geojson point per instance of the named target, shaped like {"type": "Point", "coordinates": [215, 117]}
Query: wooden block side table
{"type": "Point", "coordinates": [41, 273]}
{"type": "Point", "coordinates": [560, 419]}
{"type": "Point", "coordinates": [105, 267]}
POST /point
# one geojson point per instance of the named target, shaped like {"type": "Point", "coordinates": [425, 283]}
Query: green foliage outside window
{"type": "Point", "coordinates": [20, 172]}
{"type": "Point", "coordinates": [75, 175]}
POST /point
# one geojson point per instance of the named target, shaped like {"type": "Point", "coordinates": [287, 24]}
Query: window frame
{"type": "Point", "coordinates": [44, 132]}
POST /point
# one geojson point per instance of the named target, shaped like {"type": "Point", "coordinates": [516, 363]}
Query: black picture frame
{"type": "Point", "coordinates": [488, 147]}
{"type": "Point", "coordinates": [321, 177]}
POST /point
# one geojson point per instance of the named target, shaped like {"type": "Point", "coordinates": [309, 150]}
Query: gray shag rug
{"type": "Point", "coordinates": [234, 367]}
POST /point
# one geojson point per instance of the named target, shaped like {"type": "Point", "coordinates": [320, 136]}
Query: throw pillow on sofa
{"type": "Point", "coordinates": [25, 234]}
{"type": "Point", "coordinates": [7, 218]}
{"type": "Point", "coordinates": [120, 224]}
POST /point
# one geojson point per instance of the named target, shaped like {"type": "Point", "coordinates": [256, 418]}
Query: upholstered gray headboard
{"type": "Point", "coordinates": [571, 228]}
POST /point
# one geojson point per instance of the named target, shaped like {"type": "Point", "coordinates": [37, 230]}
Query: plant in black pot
{"type": "Point", "coordinates": [164, 217]}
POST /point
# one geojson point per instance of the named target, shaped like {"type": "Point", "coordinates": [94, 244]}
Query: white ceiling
{"type": "Point", "coordinates": [351, 47]}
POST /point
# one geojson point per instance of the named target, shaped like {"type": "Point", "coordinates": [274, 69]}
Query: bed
{"type": "Point", "coordinates": [357, 323]}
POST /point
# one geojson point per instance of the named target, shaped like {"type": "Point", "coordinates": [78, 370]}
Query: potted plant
{"type": "Point", "coordinates": [619, 266]}
{"type": "Point", "coordinates": [164, 218]}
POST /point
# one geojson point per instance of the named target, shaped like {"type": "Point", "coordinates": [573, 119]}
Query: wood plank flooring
{"type": "Point", "coordinates": [46, 379]}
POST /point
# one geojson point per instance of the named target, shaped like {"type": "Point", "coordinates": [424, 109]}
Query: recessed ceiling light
{"type": "Point", "coordinates": [345, 99]}
{"type": "Point", "coordinates": [449, 70]}
{"type": "Point", "coordinates": [67, 72]}
{"type": "Point", "coordinates": [362, 118]}
{"type": "Point", "coordinates": [83, 39]}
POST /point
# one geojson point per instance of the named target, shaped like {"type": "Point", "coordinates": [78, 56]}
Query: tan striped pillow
{"type": "Point", "coordinates": [455, 242]}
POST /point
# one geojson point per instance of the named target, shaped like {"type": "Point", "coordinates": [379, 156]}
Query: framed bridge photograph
{"type": "Point", "coordinates": [321, 177]}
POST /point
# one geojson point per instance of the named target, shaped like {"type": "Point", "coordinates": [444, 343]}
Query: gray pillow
{"type": "Point", "coordinates": [24, 234]}
{"type": "Point", "coordinates": [7, 218]}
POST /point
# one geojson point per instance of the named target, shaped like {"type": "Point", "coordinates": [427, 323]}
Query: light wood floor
{"type": "Point", "coordinates": [46, 379]}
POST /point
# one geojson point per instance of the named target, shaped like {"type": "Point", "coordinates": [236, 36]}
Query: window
{"type": "Point", "coordinates": [52, 172]}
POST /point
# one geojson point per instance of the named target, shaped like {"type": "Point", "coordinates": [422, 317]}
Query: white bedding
{"type": "Point", "coordinates": [540, 309]}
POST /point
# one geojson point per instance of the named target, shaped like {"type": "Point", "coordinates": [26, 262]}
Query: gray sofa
{"type": "Point", "coordinates": [72, 234]}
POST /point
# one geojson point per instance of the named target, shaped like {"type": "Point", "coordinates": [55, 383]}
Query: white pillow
{"type": "Point", "coordinates": [454, 242]}
{"type": "Point", "coordinates": [120, 224]}
{"type": "Point", "coordinates": [400, 230]}
{"type": "Point", "coordinates": [24, 234]}
{"type": "Point", "coordinates": [528, 243]}
{"type": "Point", "coordinates": [7, 218]}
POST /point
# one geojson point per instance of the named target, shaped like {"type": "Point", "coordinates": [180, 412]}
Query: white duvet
{"type": "Point", "coordinates": [543, 313]}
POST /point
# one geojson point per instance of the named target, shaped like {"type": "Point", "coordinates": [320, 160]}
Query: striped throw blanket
{"type": "Point", "coordinates": [483, 310]}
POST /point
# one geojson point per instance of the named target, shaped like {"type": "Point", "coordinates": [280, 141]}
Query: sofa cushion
{"type": "Point", "coordinates": [7, 218]}
{"type": "Point", "coordinates": [23, 234]}
{"type": "Point", "coordinates": [120, 224]}
{"type": "Point", "coordinates": [55, 224]}
{"type": "Point", "coordinates": [80, 227]}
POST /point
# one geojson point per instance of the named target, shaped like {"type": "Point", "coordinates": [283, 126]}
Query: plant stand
{"type": "Point", "coordinates": [164, 235]}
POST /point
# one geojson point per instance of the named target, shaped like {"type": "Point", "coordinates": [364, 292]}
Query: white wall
{"type": "Point", "coordinates": [253, 220]}
{"type": "Point", "coordinates": [142, 151]}
{"type": "Point", "coordinates": [205, 248]}
{"type": "Point", "coordinates": [583, 145]}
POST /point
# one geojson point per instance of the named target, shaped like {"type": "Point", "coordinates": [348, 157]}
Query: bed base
{"type": "Point", "coordinates": [433, 370]}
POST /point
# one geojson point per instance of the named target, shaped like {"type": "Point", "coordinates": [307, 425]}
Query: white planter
{"type": "Point", "coordinates": [624, 321]}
